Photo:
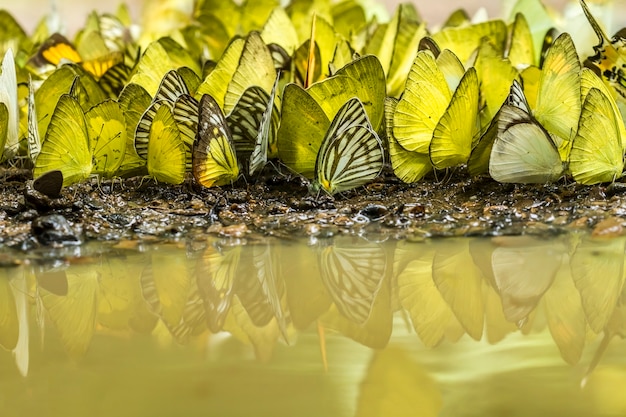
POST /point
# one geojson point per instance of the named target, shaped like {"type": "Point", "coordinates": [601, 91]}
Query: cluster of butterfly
{"type": "Point", "coordinates": [330, 102]}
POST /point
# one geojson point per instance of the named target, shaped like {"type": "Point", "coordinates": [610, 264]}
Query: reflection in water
{"type": "Point", "coordinates": [270, 294]}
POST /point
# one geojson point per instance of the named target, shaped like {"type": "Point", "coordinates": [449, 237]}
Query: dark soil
{"type": "Point", "coordinates": [280, 205]}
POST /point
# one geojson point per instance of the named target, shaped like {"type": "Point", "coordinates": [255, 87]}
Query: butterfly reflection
{"type": "Point", "coordinates": [261, 291]}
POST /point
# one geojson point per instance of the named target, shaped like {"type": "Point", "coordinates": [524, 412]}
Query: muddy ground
{"type": "Point", "coordinates": [280, 205]}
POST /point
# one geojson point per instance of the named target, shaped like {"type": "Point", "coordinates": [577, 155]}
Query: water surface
{"type": "Point", "coordinates": [343, 326]}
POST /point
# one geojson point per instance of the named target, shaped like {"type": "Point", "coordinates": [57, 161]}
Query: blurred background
{"type": "Point", "coordinates": [72, 12]}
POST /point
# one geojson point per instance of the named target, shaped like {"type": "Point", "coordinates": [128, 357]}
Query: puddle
{"type": "Point", "coordinates": [309, 327]}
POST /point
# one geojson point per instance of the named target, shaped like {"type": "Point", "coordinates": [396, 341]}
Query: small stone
{"type": "Point", "coordinates": [374, 211]}
{"type": "Point", "coordinates": [54, 229]}
{"type": "Point", "coordinates": [609, 227]}
{"type": "Point", "coordinates": [235, 230]}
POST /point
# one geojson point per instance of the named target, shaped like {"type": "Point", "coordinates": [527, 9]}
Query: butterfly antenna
{"type": "Point", "coordinates": [321, 332]}
{"type": "Point", "coordinates": [310, 64]}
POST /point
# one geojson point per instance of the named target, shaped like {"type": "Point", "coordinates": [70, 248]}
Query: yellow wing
{"type": "Point", "coordinates": [256, 68]}
{"type": "Point", "coordinates": [302, 129]}
{"type": "Point", "coordinates": [166, 150]}
{"type": "Point", "coordinates": [408, 166]}
{"type": "Point", "coordinates": [558, 99]}
{"type": "Point", "coordinates": [597, 150]}
{"type": "Point", "coordinates": [214, 159]}
{"type": "Point", "coordinates": [106, 128]}
{"type": "Point", "coordinates": [451, 144]}
{"type": "Point", "coordinates": [424, 101]}
{"type": "Point", "coordinates": [66, 146]}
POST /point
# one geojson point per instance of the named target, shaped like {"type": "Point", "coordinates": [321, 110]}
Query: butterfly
{"type": "Point", "coordinates": [610, 56]}
{"type": "Point", "coordinates": [134, 100]}
{"type": "Point", "coordinates": [254, 125]}
{"type": "Point", "coordinates": [351, 153]}
{"type": "Point", "coordinates": [214, 158]}
{"type": "Point", "coordinates": [597, 150]}
{"type": "Point", "coordinates": [464, 40]}
{"type": "Point", "coordinates": [453, 136]}
{"type": "Point", "coordinates": [79, 144]}
{"type": "Point", "coordinates": [523, 151]}
{"type": "Point", "coordinates": [49, 183]}
{"type": "Point", "coordinates": [66, 144]}
{"type": "Point", "coordinates": [171, 88]}
{"type": "Point", "coordinates": [9, 123]}
{"type": "Point", "coordinates": [408, 166]}
{"type": "Point", "coordinates": [58, 50]}
{"type": "Point", "coordinates": [392, 46]}
{"type": "Point", "coordinates": [165, 151]}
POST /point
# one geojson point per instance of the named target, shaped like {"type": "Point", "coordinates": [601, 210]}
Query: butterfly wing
{"type": "Point", "coordinates": [8, 96]}
{"type": "Point", "coordinates": [166, 150]}
{"type": "Point", "coordinates": [424, 101]}
{"type": "Point", "coordinates": [245, 119]}
{"type": "Point", "coordinates": [34, 140]}
{"type": "Point", "coordinates": [266, 137]}
{"type": "Point", "coordinates": [214, 159]}
{"type": "Point", "coordinates": [186, 116]}
{"type": "Point", "coordinates": [523, 152]}
{"type": "Point", "coordinates": [408, 166]}
{"type": "Point", "coordinates": [106, 128]}
{"type": "Point", "coordinates": [302, 128]}
{"type": "Point", "coordinates": [351, 153]}
{"type": "Point", "coordinates": [451, 144]}
{"type": "Point", "coordinates": [66, 146]}
{"type": "Point", "coordinates": [596, 154]}
{"type": "Point", "coordinates": [558, 100]}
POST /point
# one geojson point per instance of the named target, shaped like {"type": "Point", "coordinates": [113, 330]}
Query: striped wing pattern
{"type": "Point", "coordinates": [353, 276]}
{"type": "Point", "coordinates": [517, 97]}
{"type": "Point", "coordinates": [266, 134]}
{"type": "Point", "coordinates": [186, 116]}
{"type": "Point", "coordinates": [34, 140]}
{"type": "Point", "coordinates": [351, 154]}
{"type": "Point", "coordinates": [172, 86]}
{"type": "Point", "coordinates": [214, 160]}
{"type": "Point", "coordinates": [142, 132]}
{"type": "Point", "coordinates": [215, 278]}
{"type": "Point", "coordinates": [246, 118]}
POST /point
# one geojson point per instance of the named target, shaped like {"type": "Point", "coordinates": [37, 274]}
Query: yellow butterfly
{"type": "Point", "coordinates": [394, 45]}
{"type": "Point", "coordinates": [214, 159]}
{"type": "Point", "coordinates": [106, 128]}
{"type": "Point", "coordinates": [453, 136]}
{"type": "Point", "coordinates": [57, 50]}
{"type": "Point", "coordinates": [66, 144]}
{"type": "Point", "coordinates": [407, 165]}
{"type": "Point", "coordinates": [597, 151]}
{"type": "Point", "coordinates": [133, 100]}
{"type": "Point", "coordinates": [166, 151]}
{"type": "Point", "coordinates": [558, 97]}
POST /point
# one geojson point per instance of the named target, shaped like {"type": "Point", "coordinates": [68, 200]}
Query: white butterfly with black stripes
{"type": "Point", "coordinates": [351, 154]}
